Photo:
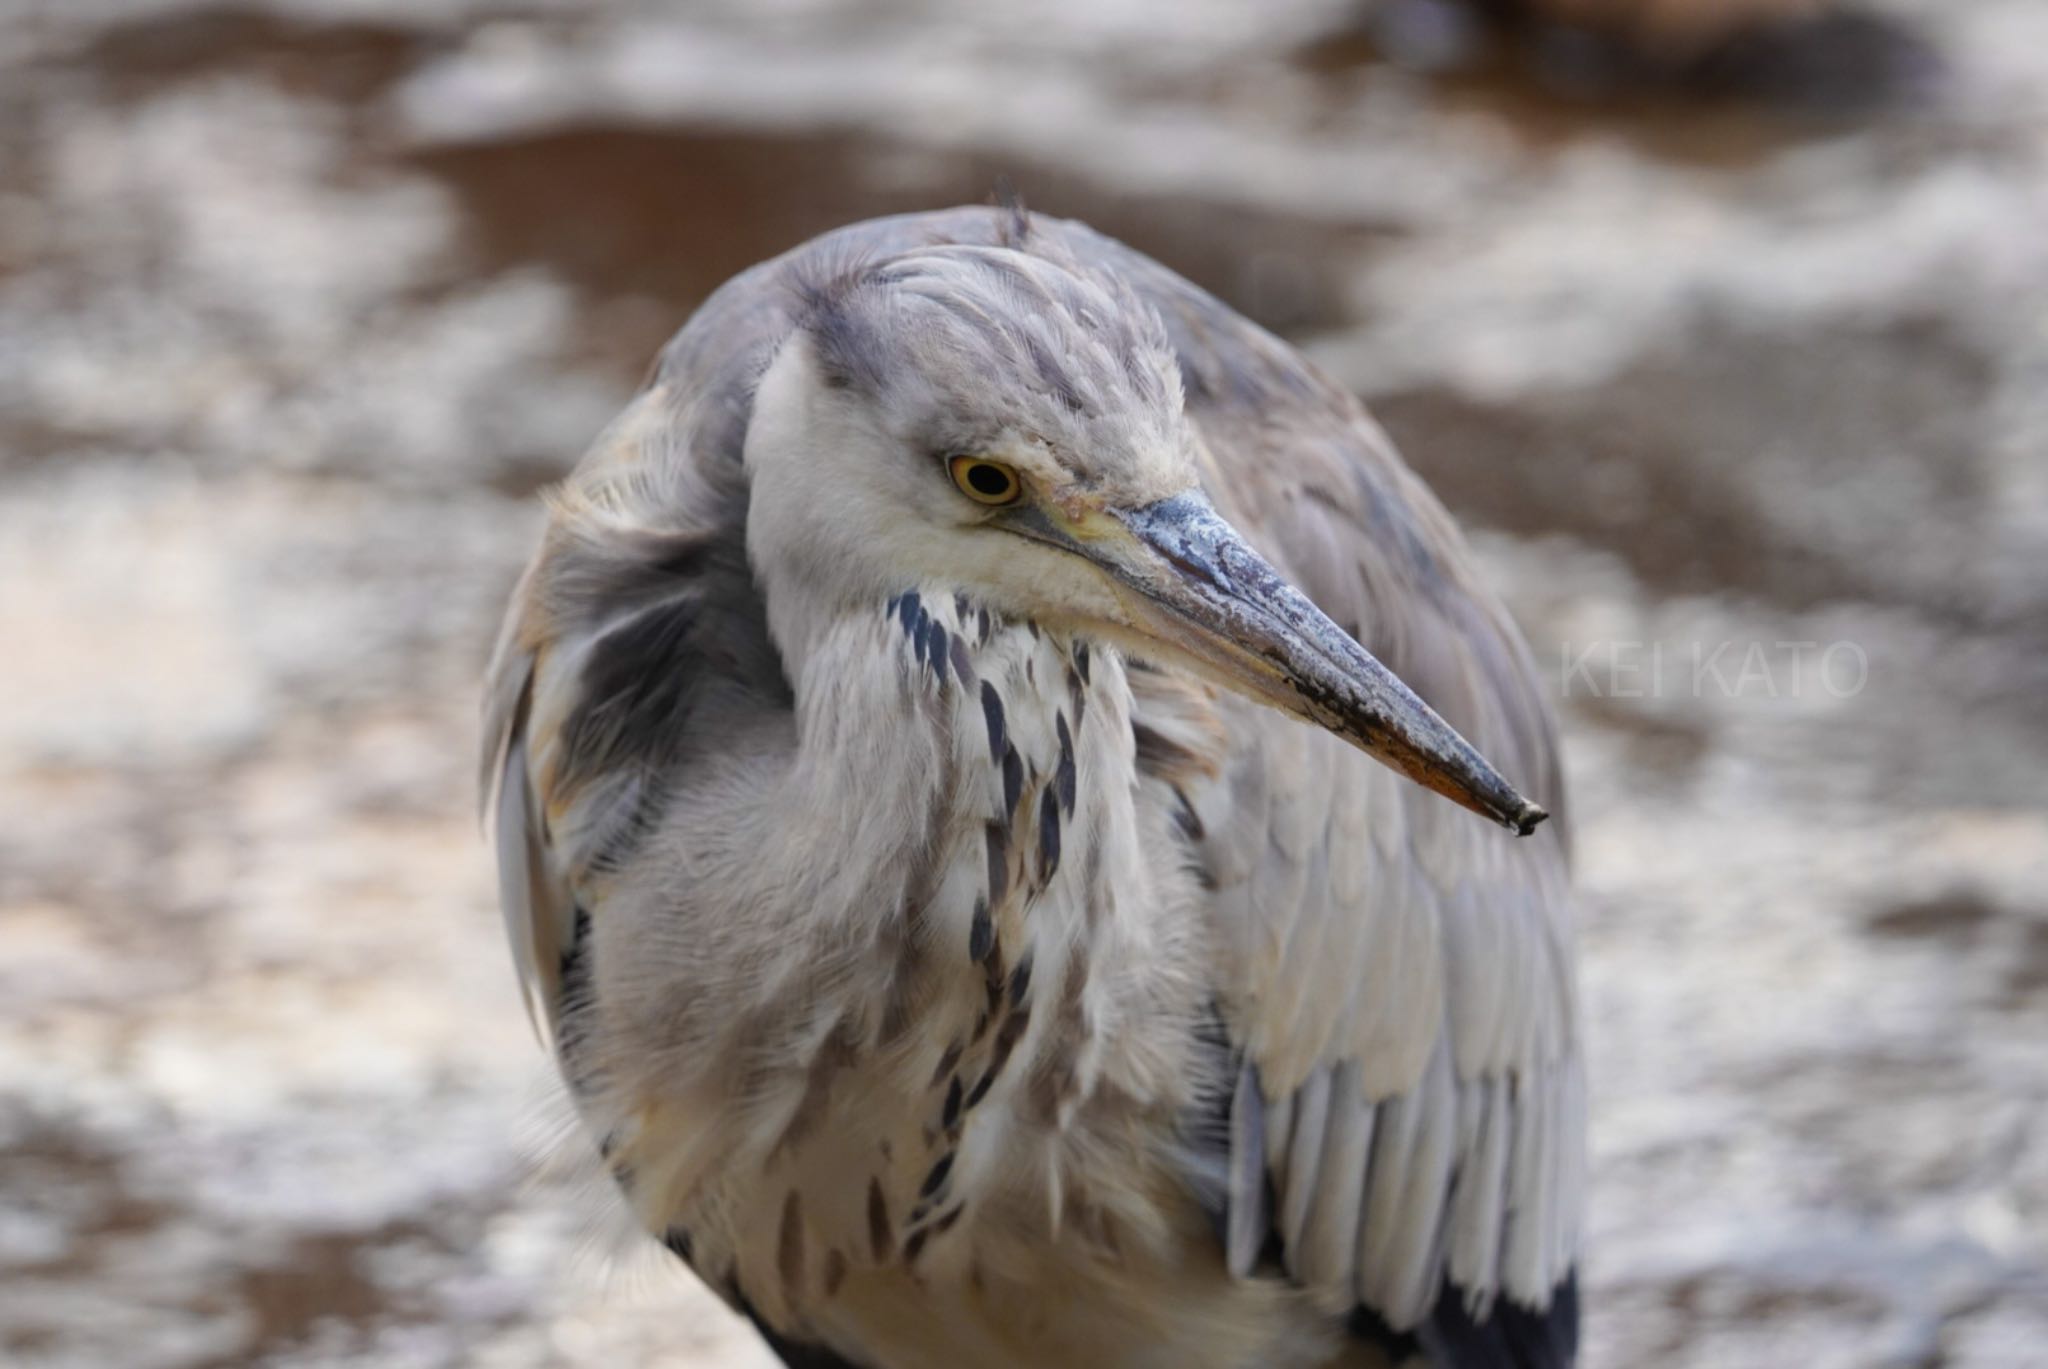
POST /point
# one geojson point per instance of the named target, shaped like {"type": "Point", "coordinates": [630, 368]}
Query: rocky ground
{"type": "Point", "coordinates": [300, 302]}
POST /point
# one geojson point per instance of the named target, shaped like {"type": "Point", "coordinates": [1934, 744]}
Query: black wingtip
{"type": "Point", "coordinates": [1509, 1336]}
{"type": "Point", "coordinates": [794, 1353]}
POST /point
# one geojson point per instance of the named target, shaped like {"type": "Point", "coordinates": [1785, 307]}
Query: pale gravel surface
{"type": "Point", "coordinates": [300, 302]}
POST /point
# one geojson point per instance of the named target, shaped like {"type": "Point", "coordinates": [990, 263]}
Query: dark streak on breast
{"type": "Point", "coordinates": [981, 933]}
{"type": "Point", "coordinates": [835, 1272]}
{"type": "Point", "coordinates": [1020, 980]}
{"type": "Point", "coordinates": [1012, 1031]}
{"type": "Point", "coordinates": [914, 1247]}
{"type": "Point", "coordinates": [1048, 834]}
{"type": "Point", "coordinates": [947, 1062]}
{"type": "Point", "coordinates": [993, 977]}
{"type": "Point", "coordinates": [992, 711]}
{"type": "Point", "coordinates": [1013, 780]}
{"type": "Point", "coordinates": [956, 1095]}
{"type": "Point", "coordinates": [881, 1238]}
{"type": "Point", "coordinates": [789, 1250]}
{"type": "Point", "coordinates": [1063, 776]}
{"type": "Point", "coordinates": [997, 839]}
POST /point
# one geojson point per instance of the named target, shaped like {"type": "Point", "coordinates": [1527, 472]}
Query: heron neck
{"type": "Point", "coordinates": [950, 728]}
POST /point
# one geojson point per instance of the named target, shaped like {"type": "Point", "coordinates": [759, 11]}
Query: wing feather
{"type": "Point", "coordinates": [1248, 1212]}
{"type": "Point", "coordinates": [538, 920]}
{"type": "Point", "coordinates": [1399, 974]}
{"type": "Point", "coordinates": [1304, 1159]}
{"type": "Point", "coordinates": [522, 889]}
{"type": "Point", "coordinates": [635, 633]}
{"type": "Point", "coordinates": [1329, 1242]}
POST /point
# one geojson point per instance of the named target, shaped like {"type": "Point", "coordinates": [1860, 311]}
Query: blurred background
{"type": "Point", "coordinates": [1723, 326]}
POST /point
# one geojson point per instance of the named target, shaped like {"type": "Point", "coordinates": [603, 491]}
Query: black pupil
{"type": "Point", "coordinates": [988, 480]}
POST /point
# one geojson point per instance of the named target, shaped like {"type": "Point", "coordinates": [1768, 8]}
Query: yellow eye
{"type": "Point", "coordinates": [985, 482]}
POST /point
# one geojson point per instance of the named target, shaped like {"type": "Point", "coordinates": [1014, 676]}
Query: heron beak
{"type": "Point", "coordinates": [1201, 588]}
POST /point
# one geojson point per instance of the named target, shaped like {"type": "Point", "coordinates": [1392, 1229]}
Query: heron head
{"type": "Point", "coordinates": [1012, 427]}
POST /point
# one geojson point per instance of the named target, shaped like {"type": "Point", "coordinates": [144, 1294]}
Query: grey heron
{"type": "Point", "coordinates": [992, 895]}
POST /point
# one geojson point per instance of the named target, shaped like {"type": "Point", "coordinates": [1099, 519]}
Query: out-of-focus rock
{"type": "Point", "coordinates": [1814, 56]}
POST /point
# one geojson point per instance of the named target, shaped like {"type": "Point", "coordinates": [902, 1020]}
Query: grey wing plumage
{"type": "Point", "coordinates": [1408, 1129]}
{"type": "Point", "coordinates": [630, 646]}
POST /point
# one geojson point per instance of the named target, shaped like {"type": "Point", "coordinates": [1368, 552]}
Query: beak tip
{"type": "Point", "coordinates": [1213, 583]}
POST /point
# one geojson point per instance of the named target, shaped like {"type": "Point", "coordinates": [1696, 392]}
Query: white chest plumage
{"type": "Point", "coordinates": [910, 1125]}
